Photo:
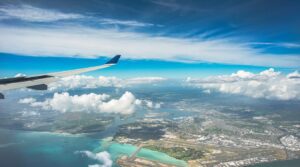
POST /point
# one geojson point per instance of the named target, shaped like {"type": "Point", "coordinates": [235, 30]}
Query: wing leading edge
{"type": "Point", "coordinates": [40, 82]}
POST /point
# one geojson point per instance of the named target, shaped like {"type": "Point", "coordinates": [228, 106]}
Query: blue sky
{"type": "Point", "coordinates": [156, 37]}
{"type": "Point", "coordinates": [126, 68]}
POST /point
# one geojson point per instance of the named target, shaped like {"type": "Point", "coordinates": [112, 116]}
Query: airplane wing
{"type": "Point", "coordinates": [40, 82]}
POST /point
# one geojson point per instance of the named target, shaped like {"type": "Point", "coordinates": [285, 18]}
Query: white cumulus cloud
{"type": "Point", "coordinates": [83, 81]}
{"type": "Point", "coordinates": [102, 157]}
{"type": "Point", "coordinates": [20, 75]}
{"type": "Point", "coordinates": [27, 100]}
{"type": "Point", "coordinates": [143, 80]}
{"type": "Point", "coordinates": [294, 74]}
{"type": "Point", "coordinates": [101, 103]}
{"type": "Point", "coordinates": [267, 84]}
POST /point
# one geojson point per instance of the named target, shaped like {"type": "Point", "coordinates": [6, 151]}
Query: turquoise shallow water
{"type": "Point", "coordinates": [124, 149]}
{"type": "Point", "coordinates": [18, 148]}
{"type": "Point", "coordinates": [42, 149]}
{"type": "Point", "coordinates": [35, 149]}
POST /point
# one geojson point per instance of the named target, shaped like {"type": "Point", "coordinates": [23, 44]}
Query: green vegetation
{"type": "Point", "coordinates": [81, 123]}
{"type": "Point", "coordinates": [214, 130]}
{"type": "Point", "coordinates": [178, 152]}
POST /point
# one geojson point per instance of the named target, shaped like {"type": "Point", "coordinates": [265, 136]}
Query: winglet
{"type": "Point", "coordinates": [114, 60]}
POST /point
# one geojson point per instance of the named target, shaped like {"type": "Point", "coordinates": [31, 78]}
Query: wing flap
{"type": "Point", "coordinates": [29, 83]}
{"type": "Point", "coordinates": [38, 87]}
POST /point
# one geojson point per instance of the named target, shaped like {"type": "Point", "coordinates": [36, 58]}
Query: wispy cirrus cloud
{"type": "Point", "coordinates": [68, 41]}
{"type": "Point", "coordinates": [90, 42]}
{"type": "Point", "coordinates": [277, 44]}
{"type": "Point", "coordinates": [124, 22]}
{"type": "Point", "coordinates": [34, 14]}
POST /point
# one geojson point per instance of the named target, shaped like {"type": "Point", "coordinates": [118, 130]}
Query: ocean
{"type": "Point", "coordinates": [35, 149]}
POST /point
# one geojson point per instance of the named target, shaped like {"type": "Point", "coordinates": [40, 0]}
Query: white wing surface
{"type": "Point", "coordinates": [40, 82]}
